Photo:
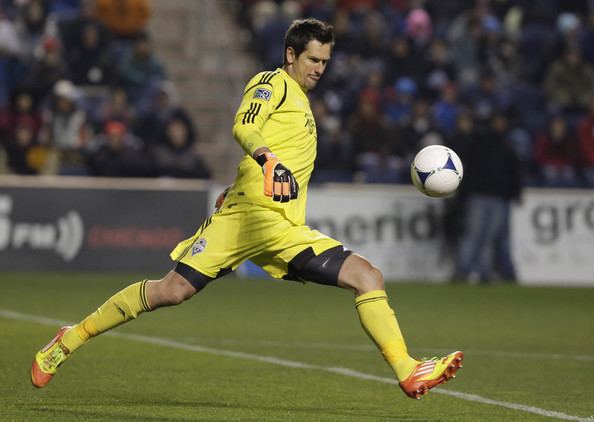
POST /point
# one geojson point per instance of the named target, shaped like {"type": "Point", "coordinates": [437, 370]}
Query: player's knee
{"type": "Point", "coordinates": [360, 276]}
{"type": "Point", "coordinates": [171, 290]}
{"type": "Point", "coordinates": [371, 279]}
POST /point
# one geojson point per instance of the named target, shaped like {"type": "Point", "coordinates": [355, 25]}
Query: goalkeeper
{"type": "Point", "coordinates": [261, 217]}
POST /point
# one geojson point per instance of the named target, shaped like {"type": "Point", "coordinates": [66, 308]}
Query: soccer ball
{"type": "Point", "coordinates": [436, 171]}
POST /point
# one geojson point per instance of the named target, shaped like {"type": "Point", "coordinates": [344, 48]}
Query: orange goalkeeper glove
{"type": "Point", "coordinates": [221, 198]}
{"type": "Point", "coordinates": [279, 182]}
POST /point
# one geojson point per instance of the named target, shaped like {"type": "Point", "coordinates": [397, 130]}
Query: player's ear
{"type": "Point", "coordinates": [290, 57]}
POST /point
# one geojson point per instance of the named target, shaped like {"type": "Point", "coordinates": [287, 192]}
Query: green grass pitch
{"type": "Point", "coordinates": [262, 350]}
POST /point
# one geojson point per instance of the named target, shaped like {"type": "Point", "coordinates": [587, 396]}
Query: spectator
{"type": "Point", "coordinates": [487, 97]}
{"type": "Point", "coordinates": [140, 70]}
{"type": "Point", "coordinates": [88, 53]}
{"type": "Point", "coordinates": [370, 43]}
{"type": "Point", "coordinates": [463, 136]}
{"type": "Point", "coordinates": [406, 139]}
{"type": "Point", "coordinates": [11, 54]}
{"type": "Point", "coordinates": [33, 24]}
{"type": "Point", "coordinates": [569, 82]}
{"type": "Point", "coordinates": [116, 153]}
{"type": "Point", "coordinates": [400, 60]}
{"type": "Point", "coordinates": [419, 27]}
{"type": "Point", "coordinates": [399, 100]}
{"type": "Point", "coordinates": [488, 189]}
{"type": "Point", "coordinates": [445, 110]}
{"type": "Point", "coordinates": [126, 19]}
{"type": "Point", "coordinates": [42, 74]}
{"type": "Point", "coordinates": [437, 69]}
{"type": "Point", "coordinates": [556, 152]}
{"type": "Point", "coordinates": [334, 157]}
{"type": "Point", "coordinates": [270, 33]}
{"type": "Point", "coordinates": [22, 109]}
{"type": "Point", "coordinates": [24, 155]}
{"type": "Point", "coordinates": [66, 127]}
{"type": "Point", "coordinates": [164, 105]}
{"type": "Point", "coordinates": [176, 155]}
{"type": "Point", "coordinates": [113, 106]}
{"type": "Point", "coordinates": [586, 140]}
{"type": "Point", "coordinates": [369, 134]}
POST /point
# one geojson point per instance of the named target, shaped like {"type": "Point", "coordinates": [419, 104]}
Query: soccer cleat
{"type": "Point", "coordinates": [431, 373]}
{"type": "Point", "coordinates": [46, 361]}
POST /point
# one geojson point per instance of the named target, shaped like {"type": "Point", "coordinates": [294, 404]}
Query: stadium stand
{"type": "Point", "coordinates": [412, 73]}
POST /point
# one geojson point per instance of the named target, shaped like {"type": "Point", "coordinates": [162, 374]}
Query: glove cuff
{"type": "Point", "coordinates": [262, 158]}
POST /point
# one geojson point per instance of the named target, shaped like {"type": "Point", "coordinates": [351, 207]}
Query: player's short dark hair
{"type": "Point", "coordinates": [303, 31]}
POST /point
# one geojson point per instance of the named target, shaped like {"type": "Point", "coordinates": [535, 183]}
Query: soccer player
{"type": "Point", "coordinates": [261, 217]}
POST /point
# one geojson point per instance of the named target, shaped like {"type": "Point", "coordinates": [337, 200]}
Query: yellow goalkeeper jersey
{"type": "Point", "coordinates": [274, 112]}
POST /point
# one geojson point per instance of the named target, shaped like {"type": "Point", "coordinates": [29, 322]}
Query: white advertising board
{"type": "Point", "coordinates": [553, 237]}
{"type": "Point", "coordinates": [401, 232]}
{"type": "Point", "coordinates": [398, 229]}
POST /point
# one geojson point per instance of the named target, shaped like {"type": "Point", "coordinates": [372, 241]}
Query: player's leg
{"type": "Point", "coordinates": [323, 260]}
{"type": "Point", "coordinates": [377, 317]}
{"type": "Point", "coordinates": [380, 323]}
{"type": "Point", "coordinates": [135, 299]}
{"type": "Point", "coordinates": [312, 256]}
{"type": "Point", "coordinates": [127, 304]}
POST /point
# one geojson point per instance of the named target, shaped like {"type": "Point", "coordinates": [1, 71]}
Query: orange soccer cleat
{"type": "Point", "coordinates": [431, 373]}
{"type": "Point", "coordinates": [46, 361]}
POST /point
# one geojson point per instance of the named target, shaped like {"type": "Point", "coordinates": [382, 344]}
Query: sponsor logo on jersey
{"type": "Point", "coordinates": [262, 94]}
{"type": "Point", "coordinates": [198, 246]}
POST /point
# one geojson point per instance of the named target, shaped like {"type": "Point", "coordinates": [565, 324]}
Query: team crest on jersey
{"type": "Point", "coordinates": [262, 94]}
{"type": "Point", "coordinates": [198, 246]}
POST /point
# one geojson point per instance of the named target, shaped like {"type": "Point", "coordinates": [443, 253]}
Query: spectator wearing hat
{"type": "Point", "coordinates": [66, 129]}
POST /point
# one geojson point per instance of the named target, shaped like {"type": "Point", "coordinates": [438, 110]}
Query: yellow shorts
{"type": "Point", "coordinates": [246, 231]}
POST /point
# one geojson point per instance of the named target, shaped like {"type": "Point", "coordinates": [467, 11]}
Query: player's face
{"type": "Point", "coordinates": [309, 66]}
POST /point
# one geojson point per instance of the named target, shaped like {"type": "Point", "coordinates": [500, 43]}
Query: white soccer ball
{"type": "Point", "coordinates": [436, 171]}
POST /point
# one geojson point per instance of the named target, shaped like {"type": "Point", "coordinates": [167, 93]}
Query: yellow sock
{"type": "Point", "coordinates": [125, 305]}
{"type": "Point", "coordinates": [379, 322]}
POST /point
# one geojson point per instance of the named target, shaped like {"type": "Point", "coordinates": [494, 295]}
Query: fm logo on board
{"type": "Point", "coordinates": [64, 236]}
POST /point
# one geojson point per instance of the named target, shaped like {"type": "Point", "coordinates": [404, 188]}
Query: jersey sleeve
{"type": "Point", "coordinates": [258, 102]}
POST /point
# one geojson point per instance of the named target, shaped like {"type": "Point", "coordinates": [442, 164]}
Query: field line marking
{"type": "Point", "coordinates": [371, 348]}
{"type": "Point", "coordinates": [8, 314]}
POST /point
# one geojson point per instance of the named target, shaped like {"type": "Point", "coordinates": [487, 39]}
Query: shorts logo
{"type": "Point", "coordinates": [262, 94]}
{"type": "Point", "coordinates": [198, 246]}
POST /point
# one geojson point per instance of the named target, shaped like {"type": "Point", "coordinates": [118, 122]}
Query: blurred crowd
{"type": "Point", "coordinates": [82, 92]}
{"type": "Point", "coordinates": [506, 83]}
